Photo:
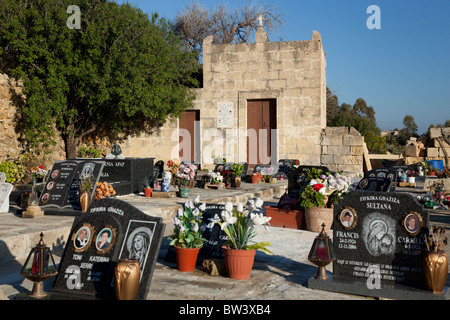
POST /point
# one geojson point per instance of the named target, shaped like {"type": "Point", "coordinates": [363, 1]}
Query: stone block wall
{"type": "Point", "coordinates": [10, 145]}
{"type": "Point", "coordinates": [293, 73]}
{"type": "Point", "coordinates": [343, 150]}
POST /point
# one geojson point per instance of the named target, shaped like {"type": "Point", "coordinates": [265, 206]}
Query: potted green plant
{"type": "Point", "coordinates": [187, 234]}
{"type": "Point", "coordinates": [148, 186]}
{"type": "Point", "coordinates": [239, 225]}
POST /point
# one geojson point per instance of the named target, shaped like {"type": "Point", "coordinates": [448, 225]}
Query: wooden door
{"type": "Point", "coordinates": [188, 145]}
{"type": "Point", "coordinates": [261, 119]}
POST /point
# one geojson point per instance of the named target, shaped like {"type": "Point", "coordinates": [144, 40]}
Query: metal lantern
{"type": "Point", "coordinates": [38, 267]}
{"type": "Point", "coordinates": [322, 253]}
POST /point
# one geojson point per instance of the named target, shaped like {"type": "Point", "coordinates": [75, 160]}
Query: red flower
{"type": "Point", "coordinates": [317, 186]}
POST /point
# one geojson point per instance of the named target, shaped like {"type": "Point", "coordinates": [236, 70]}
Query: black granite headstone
{"type": "Point", "coordinates": [127, 175]}
{"type": "Point", "coordinates": [87, 266]}
{"type": "Point", "coordinates": [375, 184]}
{"type": "Point", "coordinates": [379, 235]}
{"type": "Point", "coordinates": [61, 189]}
{"type": "Point", "coordinates": [384, 173]}
{"type": "Point", "coordinates": [215, 237]}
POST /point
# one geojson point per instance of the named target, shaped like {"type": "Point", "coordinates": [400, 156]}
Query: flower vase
{"type": "Point", "coordinates": [127, 274]}
{"type": "Point", "coordinates": [239, 263]}
{"type": "Point", "coordinates": [85, 201]}
{"type": "Point", "coordinates": [186, 258]}
{"type": "Point", "coordinates": [256, 178]}
{"type": "Point", "coordinates": [411, 179]}
{"type": "Point", "coordinates": [435, 269]}
{"type": "Point", "coordinates": [33, 200]}
{"type": "Point", "coordinates": [165, 185]}
{"type": "Point", "coordinates": [184, 192]}
{"type": "Point", "coordinates": [237, 182]}
{"type": "Point", "coordinates": [315, 217]}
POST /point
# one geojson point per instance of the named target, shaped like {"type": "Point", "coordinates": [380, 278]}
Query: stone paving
{"type": "Point", "coordinates": [283, 276]}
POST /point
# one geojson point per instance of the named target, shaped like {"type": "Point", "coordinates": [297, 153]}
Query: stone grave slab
{"type": "Point", "coordinates": [61, 191]}
{"type": "Point", "coordinates": [378, 250]}
{"type": "Point", "coordinates": [5, 191]}
{"type": "Point", "coordinates": [86, 269]}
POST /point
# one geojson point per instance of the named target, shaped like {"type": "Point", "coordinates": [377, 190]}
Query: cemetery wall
{"type": "Point", "coordinates": [10, 144]}
{"type": "Point", "coordinates": [342, 150]}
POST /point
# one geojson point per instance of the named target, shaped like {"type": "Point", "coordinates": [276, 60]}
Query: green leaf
{"type": "Point", "coordinates": [261, 246]}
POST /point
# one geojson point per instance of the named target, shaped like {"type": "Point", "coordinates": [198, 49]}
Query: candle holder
{"type": "Point", "coordinates": [38, 267]}
{"type": "Point", "coordinates": [322, 254]}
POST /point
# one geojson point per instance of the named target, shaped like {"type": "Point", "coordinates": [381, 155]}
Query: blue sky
{"type": "Point", "coordinates": [402, 68]}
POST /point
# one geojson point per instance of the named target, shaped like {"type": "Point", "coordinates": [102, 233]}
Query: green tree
{"type": "Point", "coordinates": [121, 72]}
{"type": "Point", "coordinates": [410, 126]}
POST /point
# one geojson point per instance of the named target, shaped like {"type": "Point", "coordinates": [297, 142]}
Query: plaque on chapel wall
{"type": "Point", "coordinates": [225, 115]}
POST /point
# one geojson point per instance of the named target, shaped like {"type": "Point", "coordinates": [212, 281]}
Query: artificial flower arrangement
{"type": "Point", "coordinates": [38, 172]}
{"type": "Point", "coordinates": [185, 175]}
{"type": "Point", "coordinates": [104, 190]}
{"type": "Point", "coordinates": [323, 190]}
{"type": "Point", "coordinates": [188, 225]}
{"type": "Point", "coordinates": [226, 174]}
{"type": "Point", "coordinates": [239, 225]}
{"type": "Point", "coordinates": [215, 177]}
{"type": "Point", "coordinates": [87, 183]}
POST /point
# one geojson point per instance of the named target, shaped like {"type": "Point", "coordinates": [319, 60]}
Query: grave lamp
{"type": "Point", "coordinates": [322, 254]}
{"type": "Point", "coordinates": [38, 267]}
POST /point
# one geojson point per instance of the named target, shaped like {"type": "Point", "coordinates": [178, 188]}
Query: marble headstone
{"type": "Point", "coordinates": [5, 190]}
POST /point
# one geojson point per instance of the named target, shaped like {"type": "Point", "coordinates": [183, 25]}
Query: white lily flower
{"type": "Point", "coordinates": [176, 221]}
{"type": "Point", "coordinates": [228, 219]}
{"type": "Point", "coordinates": [195, 227]}
{"type": "Point", "coordinates": [258, 203]}
{"type": "Point", "coordinates": [251, 204]}
{"type": "Point", "coordinates": [229, 207]}
{"type": "Point", "coordinates": [202, 207]}
{"type": "Point", "coordinates": [240, 207]}
{"type": "Point", "coordinates": [196, 212]}
{"type": "Point", "coordinates": [189, 204]}
{"type": "Point", "coordinates": [180, 212]}
{"type": "Point", "coordinates": [197, 199]}
{"type": "Point", "coordinates": [259, 219]}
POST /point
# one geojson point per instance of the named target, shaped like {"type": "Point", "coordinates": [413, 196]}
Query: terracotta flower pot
{"type": "Point", "coordinates": [286, 218]}
{"type": "Point", "coordinates": [256, 178]}
{"type": "Point", "coordinates": [316, 216]}
{"type": "Point", "coordinates": [239, 263]}
{"type": "Point", "coordinates": [435, 269]}
{"type": "Point", "coordinates": [148, 192]}
{"type": "Point", "coordinates": [186, 258]}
